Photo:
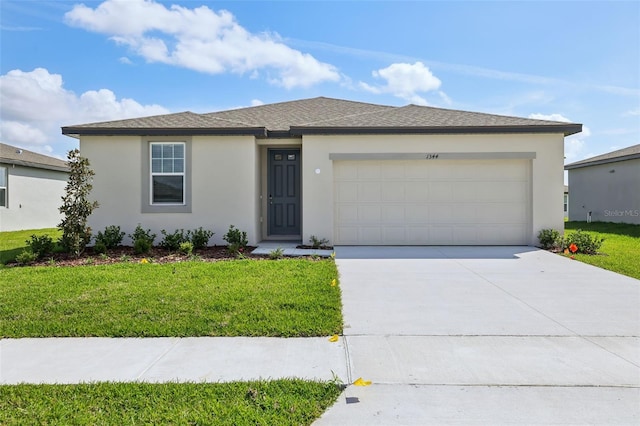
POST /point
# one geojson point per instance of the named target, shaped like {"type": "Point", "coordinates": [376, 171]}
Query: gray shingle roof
{"type": "Point", "coordinates": [623, 154]}
{"type": "Point", "coordinates": [325, 115]}
{"type": "Point", "coordinates": [21, 157]}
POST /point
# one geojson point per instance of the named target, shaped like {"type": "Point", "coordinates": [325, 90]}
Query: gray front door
{"type": "Point", "coordinates": [284, 192]}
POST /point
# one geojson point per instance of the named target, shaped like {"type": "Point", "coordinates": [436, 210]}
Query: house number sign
{"type": "Point", "coordinates": [432, 156]}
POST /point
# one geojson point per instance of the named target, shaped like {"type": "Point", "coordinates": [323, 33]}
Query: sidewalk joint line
{"type": "Point", "coordinates": [157, 360]}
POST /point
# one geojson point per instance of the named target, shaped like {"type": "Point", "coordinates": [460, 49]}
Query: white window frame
{"type": "Point", "coordinates": [4, 197]}
{"type": "Point", "coordinates": [183, 173]}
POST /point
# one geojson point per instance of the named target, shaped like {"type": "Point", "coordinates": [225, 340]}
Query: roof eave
{"type": "Point", "coordinates": [566, 129]}
{"type": "Point", "coordinates": [164, 131]}
{"type": "Point", "coordinates": [33, 165]}
{"type": "Point", "coordinates": [579, 165]}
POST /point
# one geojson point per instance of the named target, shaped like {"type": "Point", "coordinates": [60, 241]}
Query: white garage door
{"type": "Point", "coordinates": [444, 202]}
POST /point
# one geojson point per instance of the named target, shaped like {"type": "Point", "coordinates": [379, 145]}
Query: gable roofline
{"type": "Point", "coordinates": [323, 115]}
{"type": "Point", "coordinates": [566, 129]}
{"type": "Point", "coordinates": [624, 154]}
{"type": "Point", "coordinates": [16, 156]}
{"type": "Point", "coordinates": [74, 131]}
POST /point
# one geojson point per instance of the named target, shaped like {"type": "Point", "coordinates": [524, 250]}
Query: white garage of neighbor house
{"type": "Point", "coordinates": [351, 172]}
{"type": "Point", "coordinates": [31, 189]}
{"type": "Point", "coordinates": [606, 188]}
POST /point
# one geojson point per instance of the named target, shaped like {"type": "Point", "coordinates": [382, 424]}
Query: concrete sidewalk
{"type": "Point", "coordinates": [201, 359]}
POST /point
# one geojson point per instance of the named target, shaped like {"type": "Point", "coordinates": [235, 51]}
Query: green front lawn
{"type": "Point", "coordinates": [620, 251]}
{"type": "Point", "coordinates": [13, 242]}
{"type": "Point", "coordinates": [278, 402]}
{"type": "Point", "coordinates": [291, 297]}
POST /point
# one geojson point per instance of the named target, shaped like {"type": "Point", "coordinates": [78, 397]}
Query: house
{"type": "Point", "coordinates": [606, 188]}
{"type": "Point", "coordinates": [566, 202]}
{"type": "Point", "coordinates": [31, 189]}
{"type": "Point", "coordinates": [351, 172]}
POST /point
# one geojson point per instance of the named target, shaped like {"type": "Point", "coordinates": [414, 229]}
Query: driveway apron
{"type": "Point", "coordinates": [486, 335]}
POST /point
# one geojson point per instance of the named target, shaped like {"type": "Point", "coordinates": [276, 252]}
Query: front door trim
{"type": "Point", "coordinates": [283, 193]}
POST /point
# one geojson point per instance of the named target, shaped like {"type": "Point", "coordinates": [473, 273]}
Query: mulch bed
{"type": "Point", "coordinates": [126, 254]}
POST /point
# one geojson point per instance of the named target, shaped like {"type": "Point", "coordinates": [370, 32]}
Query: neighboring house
{"type": "Point", "coordinates": [566, 201]}
{"type": "Point", "coordinates": [606, 188]}
{"type": "Point", "coordinates": [351, 172]}
{"type": "Point", "coordinates": [31, 189]}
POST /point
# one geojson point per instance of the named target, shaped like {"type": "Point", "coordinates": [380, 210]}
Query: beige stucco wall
{"type": "Point", "coordinates": [224, 185]}
{"type": "Point", "coordinates": [611, 192]}
{"type": "Point", "coordinates": [547, 170]}
{"type": "Point", "coordinates": [34, 196]}
{"type": "Point", "coordinates": [228, 175]}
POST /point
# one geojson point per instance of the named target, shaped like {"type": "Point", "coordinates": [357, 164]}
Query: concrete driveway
{"type": "Point", "coordinates": [486, 335]}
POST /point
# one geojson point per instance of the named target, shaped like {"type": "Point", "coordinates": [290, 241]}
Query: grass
{"type": "Point", "coordinates": [620, 251]}
{"type": "Point", "coordinates": [287, 298]}
{"type": "Point", "coordinates": [282, 402]}
{"type": "Point", "coordinates": [13, 242]}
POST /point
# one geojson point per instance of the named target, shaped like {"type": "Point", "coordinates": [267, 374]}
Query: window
{"type": "Point", "coordinates": [566, 203]}
{"type": "Point", "coordinates": [3, 187]}
{"type": "Point", "coordinates": [168, 173]}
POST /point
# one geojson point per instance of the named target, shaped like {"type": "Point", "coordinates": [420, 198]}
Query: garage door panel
{"type": "Point", "coordinates": [392, 191]}
{"type": "Point", "coordinates": [425, 202]}
{"type": "Point", "coordinates": [371, 234]}
{"type": "Point", "coordinates": [347, 214]}
{"type": "Point", "coordinates": [394, 235]}
{"type": "Point", "coordinates": [393, 214]}
{"type": "Point", "coordinates": [464, 213]}
{"type": "Point", "coordinates": [465, 234]}
{"type": "Point", "coordinates": [415, 192]}
{"type": "Point", "coordinates": [370, 213]}
{"type": "Point", "coordinates": [441, 235]}
{"type": "Point", "coordinates": [417, 234]}
{"type": "Point", "coordinates": [369, 192]}
{"type": "Point", "coordinates": [440, 191]}
{"type": "Point", "coordinates": [440, 213]}
{"type": "Point", "coordinates": [394, 170]}
{"type": "Point", "coordinates": [416, 170]}
{"type": "Point", "coordinates": [347, 192]}
{"type": "Point", "coordinates": [368, 170]}
{"type": "Point", "coordinates": [416, 213]}
{"type": "Point", "coordinates": [464, 191]}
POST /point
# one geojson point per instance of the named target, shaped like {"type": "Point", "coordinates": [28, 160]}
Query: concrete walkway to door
{"type": "Point", "coordinates": [486, 335]}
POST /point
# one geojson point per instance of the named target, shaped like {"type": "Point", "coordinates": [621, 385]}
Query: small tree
{"type": "Point", "coordinates": [76, 208]}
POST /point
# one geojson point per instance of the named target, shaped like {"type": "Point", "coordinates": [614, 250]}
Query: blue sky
{"type": "Point", "coordinates": [69, 62]}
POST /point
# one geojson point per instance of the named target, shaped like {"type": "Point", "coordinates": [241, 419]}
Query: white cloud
{"type": "Point", "coordinates": [574, 145]}
{"type": "Point", "coordinates": [125, 60]}
{"type": "Point", "coordinates": [200, 39]}
{"type": "Point", "coordinates": [34, 104]}
{"type": "Point", "coordinates": [405, 81]}
{"type": "Point", "coordinates": [256, 102]}
{"type": "Point", "coordinates": [632, 112]}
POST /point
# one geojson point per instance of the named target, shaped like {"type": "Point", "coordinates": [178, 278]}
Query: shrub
{"type": "Point", "coordinates": [549, 238]}
{"type": "Point", "coordinates": [236, 239]}
{"type": "Point", "coordinates": [186, 248]}
{"type": "Point", "coordinates": [276, 254]}
{"type": "Point", "coordinates": [40, 246]}
{"type": "Point", "coordinates": [586, 243]}
{"type": "Point", "coordinates": [172, 241]}
{"type": "Point", "coordinates": [100, 248]}
{"type": "Point", "coordinates": [76, 207]}
{"type": "Point", "coordinates": [27, 257]}
{"type": "Point", "coordinates": [142, 246]}
{"type": "Point", "coordinates": [200, 238]}
{"type": "Point", "coordinates": [110, 238]}
{"type": "Point", "coordinates": [142, 240]}
{"type": "Point", "coordinates": [316, 242]}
